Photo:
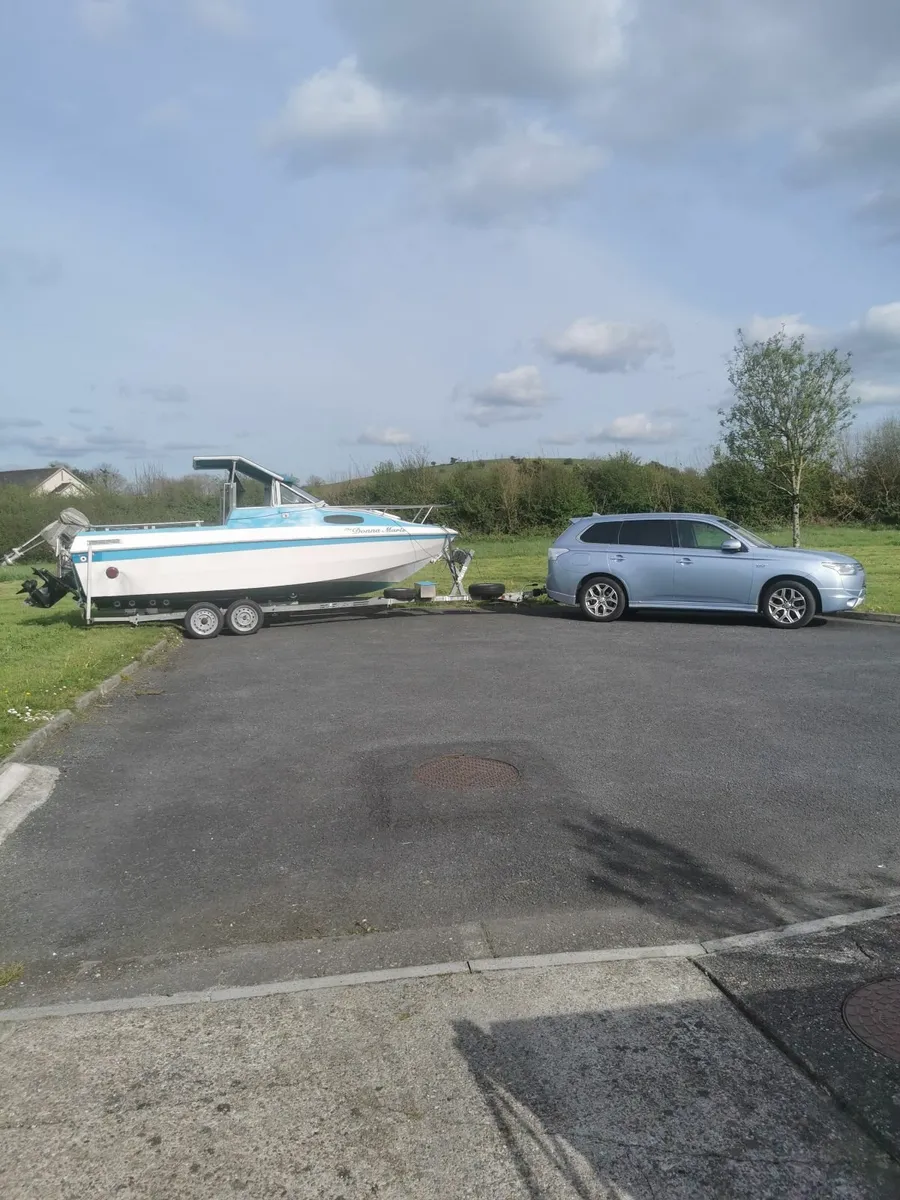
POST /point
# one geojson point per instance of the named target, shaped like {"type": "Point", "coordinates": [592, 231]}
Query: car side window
{"type": "Point", "coordinates": [603, 533]}
{"type": "Point", "coordinates": [646, 533]}
{"type": "Point", "coordinates": [700, 535]}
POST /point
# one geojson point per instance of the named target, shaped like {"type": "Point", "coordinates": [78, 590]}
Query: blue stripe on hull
{"type": "Point", "coordinates": [120, 555]}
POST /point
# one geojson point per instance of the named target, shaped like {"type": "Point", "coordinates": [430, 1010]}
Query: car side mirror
{"type": "Point", "coordinates": [731, 546]}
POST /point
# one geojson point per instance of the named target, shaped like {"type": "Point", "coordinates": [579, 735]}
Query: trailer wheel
{"type": "Point", "coordinates": [399, 593]}
{"type": "Point", "coordinates": [203, 621]}
{"type": "Point", "coordinates": [487, 591]}
{"type": "Point", "coordinates": [243, 617]}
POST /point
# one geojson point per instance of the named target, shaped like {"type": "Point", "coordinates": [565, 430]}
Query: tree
{"type": "Point", "coordinates": [790, 407]}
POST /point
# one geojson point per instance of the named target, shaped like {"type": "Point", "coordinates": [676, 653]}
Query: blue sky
{"type": "Point", "coordinates": [317, 233]}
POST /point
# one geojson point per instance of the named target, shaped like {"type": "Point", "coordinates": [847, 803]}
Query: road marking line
{"type": "Point", "coordinates": [32, 787]}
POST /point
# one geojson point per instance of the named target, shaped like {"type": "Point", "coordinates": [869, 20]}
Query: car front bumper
{"type": "Point", "coordinates": [845, 599]}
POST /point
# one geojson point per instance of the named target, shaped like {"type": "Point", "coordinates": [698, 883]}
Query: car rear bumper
{"type": "Point", "coordinates": [561, 597]}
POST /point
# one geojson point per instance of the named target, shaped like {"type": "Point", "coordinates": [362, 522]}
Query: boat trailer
{"type": "Point", "coordinates": [205, 619]}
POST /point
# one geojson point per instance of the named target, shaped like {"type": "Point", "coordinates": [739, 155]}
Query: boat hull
{"type": "Point", "coordinates": [210, 564]}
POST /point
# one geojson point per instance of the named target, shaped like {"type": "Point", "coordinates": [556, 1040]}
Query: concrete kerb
{"type": "Point", "coordinates": [885, 618]}
{"type": "Point", "coordinates": [693, 951]}
{"type": "Point", "coordinates": [67, 716]}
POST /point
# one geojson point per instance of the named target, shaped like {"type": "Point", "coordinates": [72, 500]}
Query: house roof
{"type": "Point", "coordinates": [33, 477]}
{"type": "Point", "coordinates": [28, 478]}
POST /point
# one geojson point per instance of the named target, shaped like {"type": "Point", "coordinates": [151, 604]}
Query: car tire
{"type": "Point", "coordinates": [487, 591]}
{"type": "Point", "coordinates": [602, 598]}
{"type": "Point", "coordinates": [400, 593]}
{"type": "Point", "coordinates": [203, 621]}
{"type": "Point", "coordinates": [787, 604]}
{"type": "Point", "coordinates": [243, 618]}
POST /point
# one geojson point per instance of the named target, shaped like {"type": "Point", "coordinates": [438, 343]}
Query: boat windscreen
{"type": "Point", "coordinates": [290, 495]}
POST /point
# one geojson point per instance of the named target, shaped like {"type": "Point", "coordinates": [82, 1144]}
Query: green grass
{"type": "Point", "coordinates": [10, 973]}
{"type": "Point", "coordinates": [47, 658]}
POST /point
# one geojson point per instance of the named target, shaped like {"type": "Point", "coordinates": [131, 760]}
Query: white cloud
{"type": "Point", "coordinates": [760, 329]}
{"type": "Point", "coordinates": [529, 171]}
{"type": "Point", "coordinates": [228, 17]}
{"type": "Point", "coordinates": [337, 114]}
{"type": "Point", "coordinates": [872, 340]}
{"type": "Point", "coordinates": [477, 165]}
{"type": "Point", "coordinates": [653, 75]}
{"type": "Point", "coordinates": [516, 395]}
{"type": "Point", "coordinates": [384, 437]}
{"type": "Point", "coordinates": [18, 423]}
{"type": "Point", "coordinates": [527, 49]}
{"type": "Point", "coordinates": [881, 324]}
{"type": "Point", "coordinates": [104, 18]}
{"type": "Point", "coordinates": [606, 346]}
{"type": "Point", "coordinates": [638, 427]}
{"type": "Point", "coordinates": [886, 395]}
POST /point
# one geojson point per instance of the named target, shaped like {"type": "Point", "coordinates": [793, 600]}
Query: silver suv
{"type": "Point", "coordinates": [695, 562]}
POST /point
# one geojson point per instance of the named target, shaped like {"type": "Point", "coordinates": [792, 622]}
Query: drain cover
{"type": "Point", "coordinates": [459, 772]}
{"type": "Point", "coordinates": [872, 1012]}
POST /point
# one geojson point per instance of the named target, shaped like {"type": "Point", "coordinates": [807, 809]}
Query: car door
{"type": "Point", "coordinates": [705, 574]}
{"type": "Point", "coordinates": [645, 560]}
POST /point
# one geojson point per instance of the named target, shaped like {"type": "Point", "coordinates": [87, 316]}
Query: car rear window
{"type": "Point", "coordinates": [646, 533]}
{"type": "Point", "coordinates": [603, 532]}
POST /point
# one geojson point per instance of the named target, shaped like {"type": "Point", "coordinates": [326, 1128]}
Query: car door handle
{"type": "Point", "coordinates": [683, 561]}
{"type": "Point", "coordinates": [617, 558]}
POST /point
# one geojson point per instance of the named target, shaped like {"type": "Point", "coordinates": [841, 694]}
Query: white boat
{"type": "Point", "coordinates": [291, 548]}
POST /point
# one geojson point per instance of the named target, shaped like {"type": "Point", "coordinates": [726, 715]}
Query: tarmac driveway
{"type": "Point", "coordinates": [273, 796]}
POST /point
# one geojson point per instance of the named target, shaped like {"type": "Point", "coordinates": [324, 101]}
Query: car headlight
{"type": "Point", "coordinates": [842, 568]}
{"type": "Point", "coordinates": [555, 551]}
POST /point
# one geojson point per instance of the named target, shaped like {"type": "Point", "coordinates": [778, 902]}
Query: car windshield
{"type": "Point", "coordinates": [753, 538]}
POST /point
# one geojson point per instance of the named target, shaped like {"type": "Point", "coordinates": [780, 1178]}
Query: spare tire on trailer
{"type": "Point", "coordinates": [487, 591]}
{"type": "Point", "coordinates": [400, 593]}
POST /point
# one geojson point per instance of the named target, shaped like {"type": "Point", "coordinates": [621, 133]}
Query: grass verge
{"type": "Point", "coordinates": [48, 658]}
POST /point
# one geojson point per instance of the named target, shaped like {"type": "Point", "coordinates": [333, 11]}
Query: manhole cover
{"type": "Point", "coordinates": [872, 1012]}
{"type": "Point", "coordinates": [461, 771]}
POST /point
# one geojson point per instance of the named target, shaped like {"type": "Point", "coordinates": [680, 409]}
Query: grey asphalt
{"type": "Point", "coordinates": [794, 990]}
{"type": "Point", "coordinates": [250, 808]}
{"type": "Point", "coordinates": [627, 1081]}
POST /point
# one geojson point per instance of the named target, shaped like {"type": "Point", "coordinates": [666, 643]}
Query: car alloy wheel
{"type": "Point", "coordinates": [787, 606]}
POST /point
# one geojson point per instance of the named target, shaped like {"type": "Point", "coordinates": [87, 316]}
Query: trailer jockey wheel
{"type": "Point", "coordinates": [203, 621]}
{"type": "Point", "coordinates": [243, 617]}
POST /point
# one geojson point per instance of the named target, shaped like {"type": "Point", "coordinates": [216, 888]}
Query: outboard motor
{"type": "Point", "coordinates": [48, 588]}
{"type": "Point", "coordinates": [53, 589]}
